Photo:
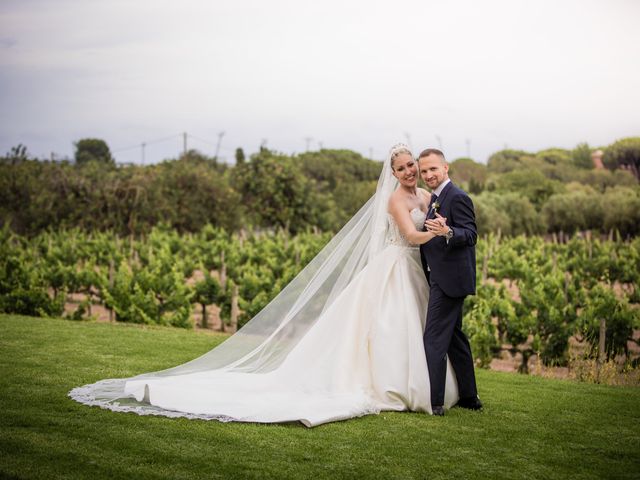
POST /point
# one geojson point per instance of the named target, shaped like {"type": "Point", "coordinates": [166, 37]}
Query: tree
{"type": "Point", "coordinates": [277, 193]}
{"type": "Point", "coordinates": [470, 174]}
{"type": "Point", "coordinates": [332, 167]}
{"type": "Point", "coordinates": [621, 207]}
{"type": "Point", "coordinates": [191, 193]}
{"type": "Point", "coordinates": [531, 183]}
{"type": "Point", "coordinates": [624, 153]}
{"type": "Point", "coordinates": [93, 149]}
{"type": "Point", "coordinates": [344, 180]}
{"type": "Point", "coordinates": [506, 160]}
{"type": "Point", "coordinates": [573, 211]}
{"type": "Point", "coordinates": [16, 155]}
{"type": "Point", "coordinates": [523, 216]}
{"type": "Point", "coordinates": [510, 213]}
{"type": "Point", "coordinates": [555, 156]}
{"type": "Point", "coordinates": [602, 179]}
{"type": "Point", "coordinates": [349, 198]}
{"type": "Point", "coordinates": [489, 217]}
{"type": "Point", "coordinates": [581, 156]}
{"type": "Point", "coordinates": [240, 158]}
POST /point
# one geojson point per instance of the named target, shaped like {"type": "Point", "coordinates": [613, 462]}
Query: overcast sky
{"type": "Point", "coordinates": [467, 75]}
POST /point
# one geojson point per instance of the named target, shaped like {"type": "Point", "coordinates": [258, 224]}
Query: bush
{"type": "Point", "coordinates": [23, 291]}
{"type": "Point", "coordinates": [508, 213]}
{"type": "Point", "coordinates": [621, 207]}
{"type": "Point", "coordinates": [528, 182]}
{"type": "Point", "coordinates": [621, 320]}
{"type": "Point", "coordinates": [573, 211]}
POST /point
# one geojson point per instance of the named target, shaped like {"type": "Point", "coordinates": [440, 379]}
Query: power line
{"type": "Point", "coordinates": [202, 140]}
{"type": "Point", "coordinates": [124, 149]}
{"type": "Point", "coordinates": [151, 142]}
{"type": "Point", "coordinates": [142, 146]}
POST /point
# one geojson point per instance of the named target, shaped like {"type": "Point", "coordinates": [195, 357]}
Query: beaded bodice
{"type": "Point", "coordinates": [395, 237]}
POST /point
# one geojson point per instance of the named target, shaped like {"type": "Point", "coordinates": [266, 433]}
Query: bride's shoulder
{"type": "Point", "coordinates": [397, 203]}
{"type": "Point", "coordinates": [395, 199]}
{"type": "Point", "coordinates": [426, 195]}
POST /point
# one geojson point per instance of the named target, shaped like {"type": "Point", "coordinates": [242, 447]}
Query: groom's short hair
{"type": "Point", "coordinates": [432, 151]}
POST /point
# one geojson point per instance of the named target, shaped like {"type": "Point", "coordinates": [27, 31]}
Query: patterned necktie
{"type": "Point", "coordinates": [432, 211]}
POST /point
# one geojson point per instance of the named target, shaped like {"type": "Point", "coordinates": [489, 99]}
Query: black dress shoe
{"type": "Point", "coordinates": [471, 403]}
{"type": "Point", "coordinates": [438, 410]}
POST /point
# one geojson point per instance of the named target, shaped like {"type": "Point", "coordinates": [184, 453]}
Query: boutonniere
{"type": "Point", "coordinates": [435, 206]}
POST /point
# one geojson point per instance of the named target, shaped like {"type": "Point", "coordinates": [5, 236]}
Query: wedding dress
{"type": "Point", "coordinates": [350, 344]}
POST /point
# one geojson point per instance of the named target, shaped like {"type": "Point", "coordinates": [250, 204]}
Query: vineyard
{"type": "Point", "coordinates": [535, 296]}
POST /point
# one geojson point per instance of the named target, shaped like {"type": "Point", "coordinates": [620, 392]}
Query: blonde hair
{"type": "Point", "coordinates": [397, 150]}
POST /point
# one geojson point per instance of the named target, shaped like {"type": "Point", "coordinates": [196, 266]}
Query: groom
{"type": "Point", "coordinates": [450, 265]}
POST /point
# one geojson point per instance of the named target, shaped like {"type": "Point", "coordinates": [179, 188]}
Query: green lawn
{"type": "Point", "coordinates": [531, 428]}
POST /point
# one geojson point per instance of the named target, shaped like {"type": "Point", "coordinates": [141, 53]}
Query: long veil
{"type": "Point", "coordinates": [264, 342]}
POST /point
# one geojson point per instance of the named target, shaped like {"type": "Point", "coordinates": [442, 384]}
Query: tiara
{"type": "Point", "coordinates": [399, 148]}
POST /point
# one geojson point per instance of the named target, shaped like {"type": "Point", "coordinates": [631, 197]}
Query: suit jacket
{"type": "Point", "coordinates": [453, 265]}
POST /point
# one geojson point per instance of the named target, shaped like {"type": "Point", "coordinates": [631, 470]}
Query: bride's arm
{"type": "Point", "coordinates": [398, 209]}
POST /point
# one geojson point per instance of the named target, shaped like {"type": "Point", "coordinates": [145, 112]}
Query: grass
{"type": "Point", "coordinates": [532, 427]}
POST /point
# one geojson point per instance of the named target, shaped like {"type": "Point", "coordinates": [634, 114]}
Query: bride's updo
{"type": "Point", "coordinates": [396, 150]}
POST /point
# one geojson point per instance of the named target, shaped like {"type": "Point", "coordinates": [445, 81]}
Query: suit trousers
{"type": "Point", "coordinates": [444, 337]}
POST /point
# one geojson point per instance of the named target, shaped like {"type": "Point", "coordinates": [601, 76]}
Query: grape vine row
{"type": "Point", "coordinates": [533, 294]}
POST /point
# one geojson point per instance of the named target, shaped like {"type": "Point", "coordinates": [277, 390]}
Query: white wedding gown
{"type": "Point", "coordinates": [365, 354]}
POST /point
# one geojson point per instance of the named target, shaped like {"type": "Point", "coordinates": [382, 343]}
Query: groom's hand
{"type": "Point", "coordinates": [441, 219]}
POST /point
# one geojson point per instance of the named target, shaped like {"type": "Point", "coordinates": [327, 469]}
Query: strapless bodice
{"type": "Point", "coordinates": [395, 237]}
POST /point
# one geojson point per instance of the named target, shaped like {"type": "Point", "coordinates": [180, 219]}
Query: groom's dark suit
{"type": "Point", "coordinates": [451, 271]}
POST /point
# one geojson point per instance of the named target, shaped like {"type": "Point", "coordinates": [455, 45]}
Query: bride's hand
{"type": "Point", "coordinates": [436, 227]}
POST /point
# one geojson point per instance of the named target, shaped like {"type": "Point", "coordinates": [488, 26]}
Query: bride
{"type": "Point", "coordinates": [343, 339]}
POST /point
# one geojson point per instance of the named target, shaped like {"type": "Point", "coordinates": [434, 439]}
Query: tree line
{"type": "Point", "coordinates": [516, 192]}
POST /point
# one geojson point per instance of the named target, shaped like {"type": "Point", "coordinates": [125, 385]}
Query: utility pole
{"type": "Point", "coordinates": [308, 142]}
{"type": "Point", "coordinates": [220, 135]}
{"type": "Point", "coordinates": [439, 139]}
{"type": "Point", "coordinates": [408, 137]}
{"type": "Point", "coordinates": [320, 145]}
{"type": "Point", "coordinates": [370, 153]}
{"type": "Point", "coordinates": [184, 144]}
{"type": "Point", "coordinates": [468, 142]}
